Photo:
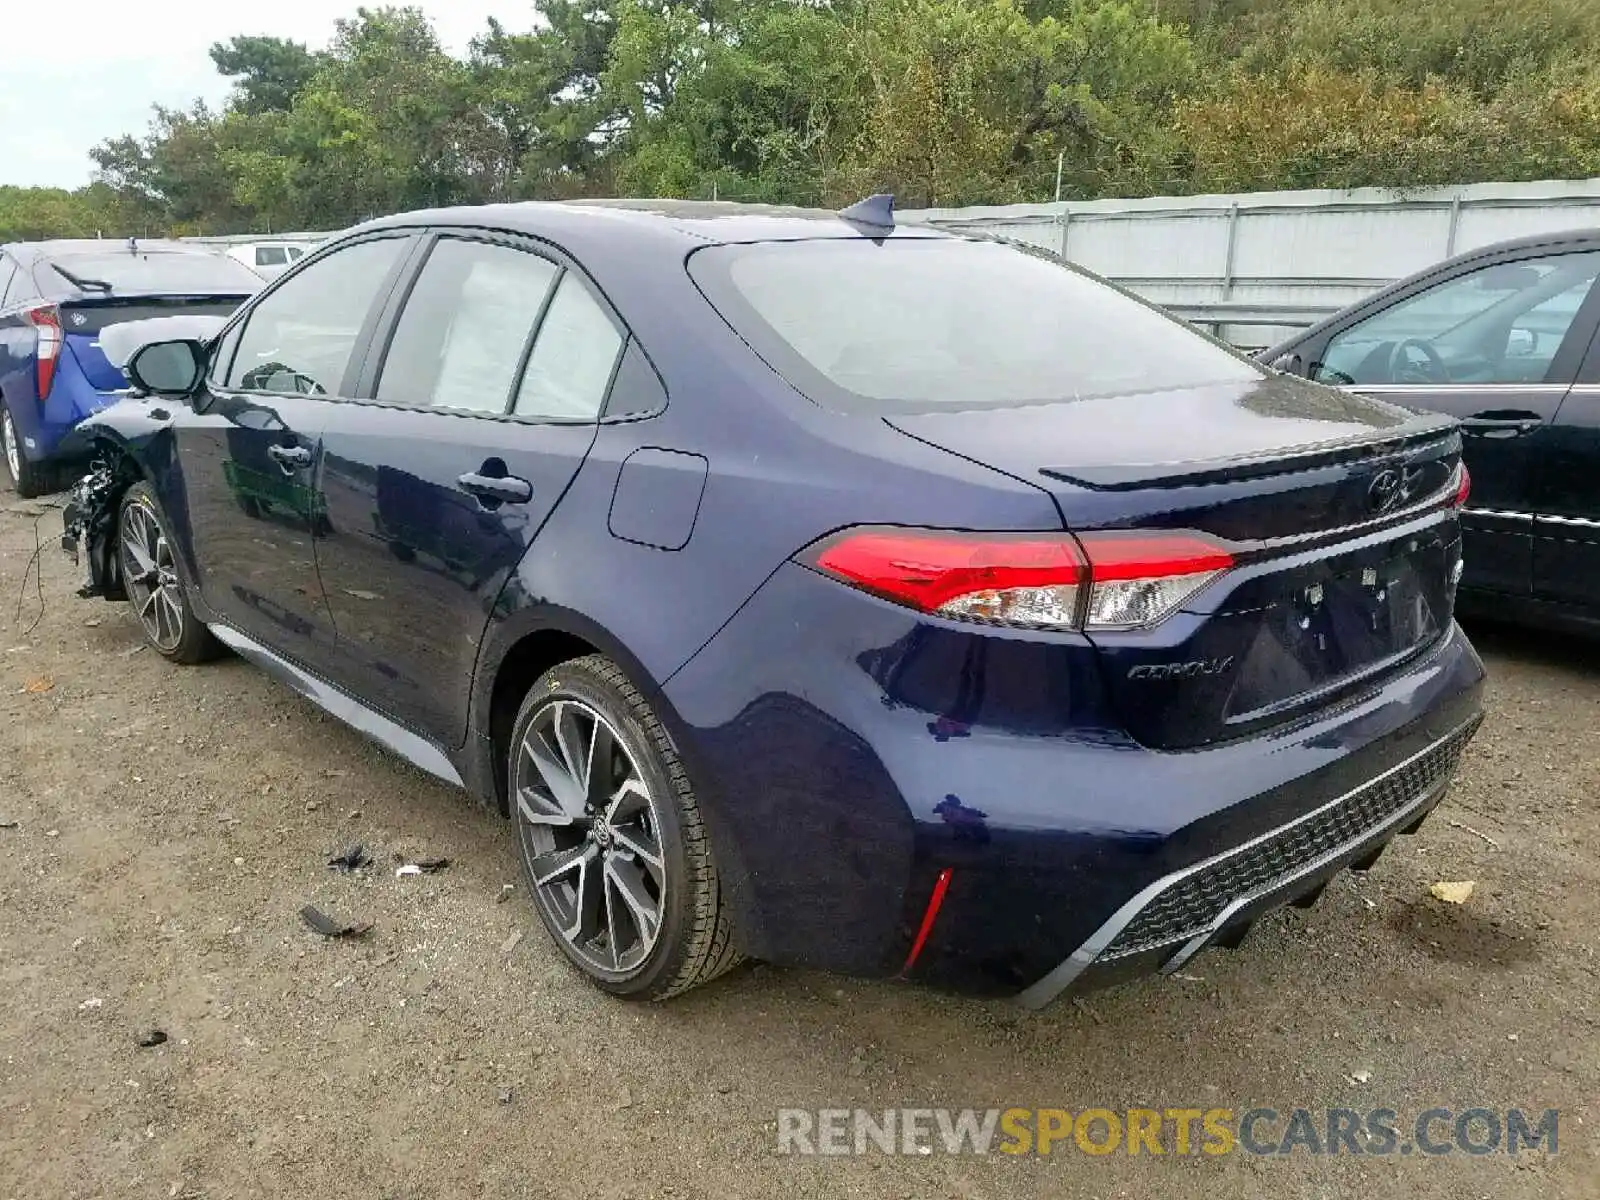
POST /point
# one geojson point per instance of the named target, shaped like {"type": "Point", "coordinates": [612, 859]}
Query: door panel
{"type": "Point", "coordinates": [250, 466]}
{"type": "Point", "coordinates": [250, 447]}
{"type": "Point", "coordinates": [413, 562]}
{"type": "Point", "coordinates": [1566, 545]}
{"type": "Point", "coordinates": [434, 493]}
{"type": "Point", "coordinates": [1503, 429]}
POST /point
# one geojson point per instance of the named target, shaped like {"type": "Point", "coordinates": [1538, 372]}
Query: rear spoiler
{"type": "Point", "coordinates": [1422, 430]}
{"type": "Point", "coordinates": [121, 341]}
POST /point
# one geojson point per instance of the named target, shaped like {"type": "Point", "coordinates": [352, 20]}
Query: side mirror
{"type": "Point", "coordinates": [168, 368]}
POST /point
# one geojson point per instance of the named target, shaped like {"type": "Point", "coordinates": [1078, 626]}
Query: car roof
{"type": "Point", "coordinates": [688, 223]}
{"type": "Point", "coordinates": [34, 252]}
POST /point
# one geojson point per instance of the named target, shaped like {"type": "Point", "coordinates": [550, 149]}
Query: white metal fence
{"type": "Point", "coordinates": [1254, 266]}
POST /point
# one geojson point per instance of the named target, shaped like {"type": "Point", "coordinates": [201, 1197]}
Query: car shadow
{"type": "Point", "coordinates": [1539, 646]}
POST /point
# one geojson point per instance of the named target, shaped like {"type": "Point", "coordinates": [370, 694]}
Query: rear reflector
{"type": "Point", "coordinates": [47, 320]}
{"type": "Point", "coordinates": [935, 902]}
{"type": "Point", "coordinates": [1463, 487]}
{"type": "Point", "coordinates": [1051, 581]}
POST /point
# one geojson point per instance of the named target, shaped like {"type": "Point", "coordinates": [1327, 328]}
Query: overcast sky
{"type": "Point", "coordinates": [74, 74]}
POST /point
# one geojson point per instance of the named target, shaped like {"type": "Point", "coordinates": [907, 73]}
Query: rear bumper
{"type": "Point", "coordinates": [848, 753]}
{"type": "Point", "coordinates": [1170, 921]}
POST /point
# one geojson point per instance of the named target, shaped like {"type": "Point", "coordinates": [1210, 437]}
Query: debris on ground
{"type": "Point", "coordinates": [10, 824]}
{"type": "Point", "coordinates": [1453, 893]}
{"type": "Point", "coordinates": [93, 1002]}
{"type": "Point", "coordinates": [152, 1037]}
{"type": "Point", "coordinates": [505, 1095]}
{"type": "Point", "coordinates": [38, 686]}
{"type": "Point", "coordinates": [423, 866]}
{"type": "Point", "coordinates": [320, 922]}
{"type": "Point", "coordinates": [132, 650]}
{"type": "Point", "coordinates": [507, 890]}
{"type": "Point", "coordinates": [352, 858]}
{"type": "Point", "coordinates": [511, 943]}
{"type": "Point", "coordinates": [1359, 1077]}
{"type": "Point", "coordinates": [1465, 828]}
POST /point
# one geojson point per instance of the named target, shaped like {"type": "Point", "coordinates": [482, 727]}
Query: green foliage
{"type": "Point", "coordinates": [944, 102]}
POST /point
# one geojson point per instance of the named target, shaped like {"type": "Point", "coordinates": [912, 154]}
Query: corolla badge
{"type": "Point", "coordinates": [1183, 670]}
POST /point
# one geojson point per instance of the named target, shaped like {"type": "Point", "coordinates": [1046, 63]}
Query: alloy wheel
{"type": "Point", "coordinates": [590, 833]}
{"type": "Point", "coordinates": [8, 436]}
{"type": "Point", "coordinates": [151, 576]}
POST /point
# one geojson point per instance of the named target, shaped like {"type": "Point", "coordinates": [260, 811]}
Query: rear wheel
{"type": "Point", "coordinates": [611, 839]}
{"type": "Point", "coordinates": [155, 582]}
{"type": "Point", "coordinates": [28, 479]}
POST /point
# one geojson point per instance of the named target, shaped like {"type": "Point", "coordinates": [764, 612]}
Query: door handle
{"type": "Point", "coordinates": [502, 489]}
{"type": "Point", "coordinates": [1501, 425]}
{"type": "Point", "coordinates": [290, 458]}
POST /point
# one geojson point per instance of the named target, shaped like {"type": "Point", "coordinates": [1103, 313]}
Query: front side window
{"type": "Point", "coordinates": [1501, 323]}
{"type": "Point", "coordinates": [914, 324]}
{"type": "Point", "coordinates": [573, 359]}
{"type": "Point", "coordinates": [300, 337]}
{"type": "Point", "coordinates": [465, 329]}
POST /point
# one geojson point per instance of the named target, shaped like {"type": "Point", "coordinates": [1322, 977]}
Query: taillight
{"type": "Point", "coordinates": [1463, 487]}
{"type": "Point", "coordinates": [1099, 581]}
{"type": "Point", "coordinates": [47, 320]}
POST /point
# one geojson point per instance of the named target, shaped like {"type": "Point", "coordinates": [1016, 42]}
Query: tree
{"type": "Point", "coordinates": [268, 72]}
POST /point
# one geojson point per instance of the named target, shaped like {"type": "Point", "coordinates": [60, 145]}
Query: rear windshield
{"type": "Point", "coordinates": [195, 273]}
{"type": "Point", "coordinates": [912, 324]}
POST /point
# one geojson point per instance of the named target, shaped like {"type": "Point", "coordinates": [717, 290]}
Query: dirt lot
{"type": "Point", "coordinates": [171, 822]}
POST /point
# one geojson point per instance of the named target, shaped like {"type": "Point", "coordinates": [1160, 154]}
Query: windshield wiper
{"type": "Point", "coordinates": [77, 281]}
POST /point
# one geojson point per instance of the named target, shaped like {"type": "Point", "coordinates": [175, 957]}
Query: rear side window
{"type": "Point", "coordinates": [913, 324]}
{"type": "Point", "coordinates": [180, 272]}
{"type": "Point", "coordinates": [300, 337]}
{"type": "Point", "coordinates": [570, 369]}
{"type": "Point", "coordinates": [465, 330]}
{"type": "Point", "coordinates": [271, 256]}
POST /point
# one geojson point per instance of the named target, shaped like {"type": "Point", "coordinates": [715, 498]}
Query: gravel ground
{"type": "Point", "coordinates": [169, 824]}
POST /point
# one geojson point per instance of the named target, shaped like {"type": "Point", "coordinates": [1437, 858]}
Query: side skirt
{"type": "Point", "coordinates": [417, 751]}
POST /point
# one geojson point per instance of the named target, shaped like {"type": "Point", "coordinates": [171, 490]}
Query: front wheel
{"type": "Point", "coordinates": [154, 580]}
{"type": "Point", "coordinates": [611, 838]}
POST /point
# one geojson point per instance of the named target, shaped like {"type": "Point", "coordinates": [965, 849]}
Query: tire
{"type": "Point", "coordinates": [161, 604]}
{"type": "Point", "coordinates": [28, 479]}
{"type": "Point", "coordinates": [587, 850]}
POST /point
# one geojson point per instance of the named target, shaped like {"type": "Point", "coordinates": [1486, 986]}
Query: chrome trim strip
{"type": "Point", "coordinates": [1439, 501]}
{"type": "Point", "coordinates": [1571, 522]}
{"type": "Point", "coordinates": [1039, 994]}
{"type": "Point", "coordinates": [1411, 389]}
{"type": "Point", "coordinates": [1499, 514]}
{"type": "Point", "coordinates": [1200, 940]}
{"type": "Point", "coordinates": [416, 750]}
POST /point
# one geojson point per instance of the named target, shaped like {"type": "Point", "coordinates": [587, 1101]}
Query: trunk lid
{"type": "Point", "coordinates": [1336, 509]}
{"type": "Point", "coordinates": [83, 319]}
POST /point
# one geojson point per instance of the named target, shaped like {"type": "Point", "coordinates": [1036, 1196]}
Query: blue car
{"type": "Point", "coordinates": [55, 297]}
{"type": "Point", "coordinates": [812, 588]}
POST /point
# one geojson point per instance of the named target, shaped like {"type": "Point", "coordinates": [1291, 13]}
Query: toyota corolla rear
{"type": "Point", "coordinates": [1221, 668]}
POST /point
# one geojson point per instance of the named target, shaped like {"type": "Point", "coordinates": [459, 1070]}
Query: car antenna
{"type": "Point", "coordinates": [875, 212]}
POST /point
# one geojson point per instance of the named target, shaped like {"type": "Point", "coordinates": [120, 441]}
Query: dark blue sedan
{"type": "Point", "coordinates": [809, 588]}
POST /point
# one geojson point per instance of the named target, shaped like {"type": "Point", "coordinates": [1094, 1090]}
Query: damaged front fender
{"type": "Point", "coordinates": [124, 444]}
